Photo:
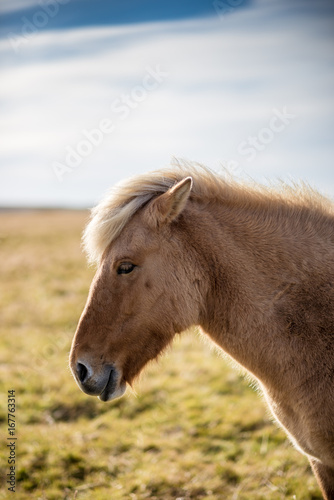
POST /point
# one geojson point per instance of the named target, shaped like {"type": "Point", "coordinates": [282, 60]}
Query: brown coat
{"type": "Point", "coordinates": [253, 267]}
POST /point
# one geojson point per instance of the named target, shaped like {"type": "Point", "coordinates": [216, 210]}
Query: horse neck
{"type": "Point", "coordinates": [249, 259]}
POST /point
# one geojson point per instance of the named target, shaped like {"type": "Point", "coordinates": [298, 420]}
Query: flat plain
{"type": "Point", "coordinates": [196, 427]}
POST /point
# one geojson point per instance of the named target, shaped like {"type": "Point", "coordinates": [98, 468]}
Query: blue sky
{"type": "Point", "coordinates": [92, 92]}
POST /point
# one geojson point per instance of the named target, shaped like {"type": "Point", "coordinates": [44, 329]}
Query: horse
{"type": "Point", "coordinates": [252, 266]}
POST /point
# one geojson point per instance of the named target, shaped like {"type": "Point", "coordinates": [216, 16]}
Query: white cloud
{"type": "Point", "coordinates": [225, 78]}
{"type": "Point", "coordinates": [15, 5]}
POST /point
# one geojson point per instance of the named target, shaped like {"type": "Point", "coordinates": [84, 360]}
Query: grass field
{"type": "Point", "coordinates": [196, 429]}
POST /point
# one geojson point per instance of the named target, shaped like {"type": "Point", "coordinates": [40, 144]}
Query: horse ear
{"type": "Point", "coordinates": [169, 205]}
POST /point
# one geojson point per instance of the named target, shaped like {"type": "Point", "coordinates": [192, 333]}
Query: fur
{"type": "Point", "coordinates": [110, 216]}
{"type": "Point", "coordinates": [252, 266]}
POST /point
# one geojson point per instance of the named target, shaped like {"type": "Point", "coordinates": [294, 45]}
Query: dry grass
{"type": "Point", "coordinates": [195, 430]}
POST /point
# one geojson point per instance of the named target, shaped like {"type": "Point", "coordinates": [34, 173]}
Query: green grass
{"type": "Point", "coordinates": [195, 429]}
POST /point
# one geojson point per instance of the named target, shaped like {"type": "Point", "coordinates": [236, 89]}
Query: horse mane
{"type": "Point", "coordinates": [110, 216]}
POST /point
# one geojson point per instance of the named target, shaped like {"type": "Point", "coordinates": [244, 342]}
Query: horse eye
{"type": "Point", "coordinates": [125, 268]}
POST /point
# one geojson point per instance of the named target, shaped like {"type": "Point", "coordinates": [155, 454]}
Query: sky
{"type": "Point", "coordinates": [94, 92]}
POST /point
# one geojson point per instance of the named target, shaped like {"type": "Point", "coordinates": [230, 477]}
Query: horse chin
{"type": "Point", "coordinates": [111, 392]}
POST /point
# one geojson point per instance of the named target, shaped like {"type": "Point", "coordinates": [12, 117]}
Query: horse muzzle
{"type": "Point", "coordinates": [107, 384]}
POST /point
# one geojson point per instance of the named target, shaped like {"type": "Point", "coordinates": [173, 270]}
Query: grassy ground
{"type": "Point", "coordinates": [195, 430]}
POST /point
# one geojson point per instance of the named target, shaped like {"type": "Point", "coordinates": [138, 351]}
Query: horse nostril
{"type": "Point", "coordinates": [82, 372]}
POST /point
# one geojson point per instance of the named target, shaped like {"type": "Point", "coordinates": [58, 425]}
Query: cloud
{"type": "Point", "coordinates": [225, 78]}
{"type": "Point", "coordinates": [17, 5]}
{"type": "Point", "coordinates": [59, 14]}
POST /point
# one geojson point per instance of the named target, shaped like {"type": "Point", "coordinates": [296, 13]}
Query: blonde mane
{"type": "Point", "coordinates": [110, 216]}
